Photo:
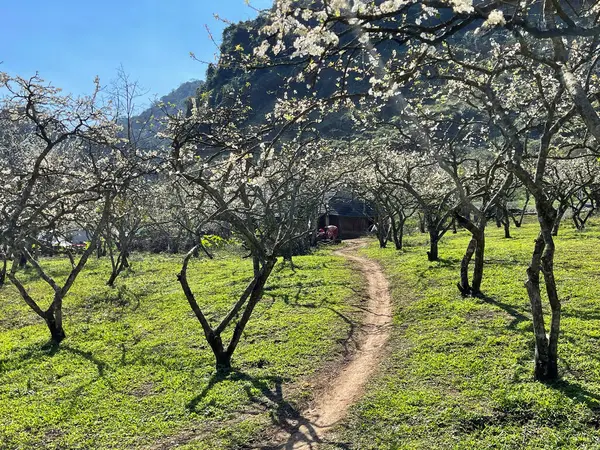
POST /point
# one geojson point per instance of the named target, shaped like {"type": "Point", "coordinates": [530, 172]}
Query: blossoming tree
{"type": "Point", "coordinates": [55, 151]}
{"type": "Point", "coordinates": [265, 180]}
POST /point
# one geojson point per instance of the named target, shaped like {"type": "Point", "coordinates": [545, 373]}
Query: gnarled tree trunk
{"type": "Point", "coordinates": [542, 261]}
{"type": "Point", "coordinates": [247, 301]}
{"type": "Point", "coordinates": [476, 247]}
{"type": "Point", "coordinates": [398, 232]}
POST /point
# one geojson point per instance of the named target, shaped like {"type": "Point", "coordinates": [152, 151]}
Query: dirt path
{"type": "Point", "coordinates": [346, 387]}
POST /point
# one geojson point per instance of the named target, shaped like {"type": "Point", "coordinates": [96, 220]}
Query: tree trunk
{"type": "Point", "coordinates": [382, 232]}
{"type": "Point", "coordinates": [400, 242]}
{"type": "Point", "coordinates": [116, 271]}
{"type": "Point", "coordinates": [476, 247]}
{"type": "Point", "coordinates": [546, 357]}
{"type": "Point", "coordinates": [288, 256]}
{"type": "Point", "coordinates": [506, 222]}
{"type": "Point", "coordinates": [398, 233]}
{"type": "Point", "coordinates": [53, 319]}
{"type": "Point", "coordinates": [223, 362]}
{"type": "Point", "coordinates": [583, 221]}
{"type": "Point", "coordinates": [248, 300]}
{"type": "Point", "coordinates": [222, 358]}
{"type": "Point", "coordinates": [542, 360]}
{"type": "Point", "coordinates": [3, 271]}
{"type": "Point", "coordinates": [382, 239]}
{"type": "Point", "coordinates": [479, 261]}
{"type": "Point", "coordinates": [113, 276]}
{"type": "Point", "coordinates": [551, 372]}
{"type": "Point", "coordinates": [395, 233]}
{"type": "Point", "coordinates": [255, 297]}
{"type": "Point", "coordinates": [577, 209]}
{"type": "Point", "coordinates": [57, 333]}
{"type": "Point", "coordinates": [205, 250]}
{"type": "Point", "coordinates": [542, 261]}
{"type": "Point", "coordinates": [464, 286]}
{"type": "Point", "coordinates": [121, 263]}
{"type": "Point", "coordinates": [432, 254]}
{"type": "Point", "coordinates": [519, 222]}
{"type": "Point", "coordinates": [562, 209]}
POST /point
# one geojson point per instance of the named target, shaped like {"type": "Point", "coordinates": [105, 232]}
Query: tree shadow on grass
{"type": "Point", "coordinates": [283, 413]}
{"type": "Point", "coordinates": [325, 304]}
{"type": "Point", "coordinates": [517, 316]}
{"type": "Point", "coordinates": [443, 263]}
{"type": "Point", "coordinates": [34, 351]}
{"type": "Point", "coordinates": [286, 264]}
{"type": "Point", "coordinates": [504, 262]}
{"type": "Point", "coordinates": [101, 366]}
{"type": "Point", "coordinates": [296, 300]}
{"type": "Point", "coordinates": [351, 336]}
{"type": "Point", "coordinates": [579, 394]}
{"type": "Point", "coordinates": [293, 426]}
{"type": "Point", "coordinates": [581, 314]}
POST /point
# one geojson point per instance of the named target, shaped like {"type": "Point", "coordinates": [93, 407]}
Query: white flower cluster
{"type": "Point", "coordinates": [389, 6]}
{"type": "Point", "coordinates": [313, 43]}
{"type": "Point", "coordinates": [495, 19]}
{"type": "Point", "coordinates": [462, 6]}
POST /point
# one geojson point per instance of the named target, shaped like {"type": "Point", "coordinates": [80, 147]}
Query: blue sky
{"type": "Point", "coordinates": [69, 42]}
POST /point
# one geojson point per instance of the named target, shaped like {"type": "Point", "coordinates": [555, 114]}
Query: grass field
{"type": "Point", "coordinates": [460, 370]}
{"type": "Point", "coordinates": [135, 371]}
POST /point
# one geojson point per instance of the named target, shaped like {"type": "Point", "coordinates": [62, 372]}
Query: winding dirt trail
{"type": "Point", "coordinates": [346, 387]}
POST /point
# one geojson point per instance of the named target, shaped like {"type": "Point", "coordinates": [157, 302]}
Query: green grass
{"type": "Point", "coordinates": [135, 371]}
{"type": "Point", "coordinates": [460, 370]}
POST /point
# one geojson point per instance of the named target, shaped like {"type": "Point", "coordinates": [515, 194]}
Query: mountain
{"type": "Point", "coordinates": [173, 101]}
{"type": "Point", "coordinates": [261, 87]}
{"type": "Point", "coordinates": [145, 124]}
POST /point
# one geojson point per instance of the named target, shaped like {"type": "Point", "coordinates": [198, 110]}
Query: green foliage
{"type": "Point", "coordinates": [135, 370]}
{"type": "Point", "coordinates": [460, 374]}
{"type": "Point", "coordinates": [215, 241]}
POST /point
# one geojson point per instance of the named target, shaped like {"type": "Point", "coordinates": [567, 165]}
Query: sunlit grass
{"type": "Point", "coordinates": [460, 374]}
{"type": "Point", "coordinates": [135, 370]}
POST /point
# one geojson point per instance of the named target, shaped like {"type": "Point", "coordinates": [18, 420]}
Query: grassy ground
{"type": "Point", "coordinates": [135, 372]}
{"type": "Point", "coordinates": [460, 371]}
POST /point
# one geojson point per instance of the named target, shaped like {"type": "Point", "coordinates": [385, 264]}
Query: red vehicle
{"type": "Point", "coordinates": [321, 235]}
{"type": "Point", "coordinates": [329, 233]}
{"type": "Point", "coordinates": [332, 232]}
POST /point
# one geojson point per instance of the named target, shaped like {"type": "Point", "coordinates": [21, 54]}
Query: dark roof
{"type": "Point", "coordinates": [349, 207]}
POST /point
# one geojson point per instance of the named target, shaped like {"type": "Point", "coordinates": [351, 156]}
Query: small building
{"type": "Point", "coordinates": [353, 217]}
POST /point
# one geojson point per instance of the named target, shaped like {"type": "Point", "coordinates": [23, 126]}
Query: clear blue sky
{"type": "Point", "coordinates": [69, 42]}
